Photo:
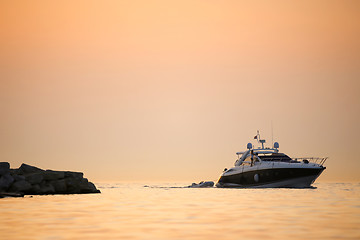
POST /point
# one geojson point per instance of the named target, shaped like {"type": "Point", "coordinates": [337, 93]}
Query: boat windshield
{"type": "Point", "coordinates": [275, 157]}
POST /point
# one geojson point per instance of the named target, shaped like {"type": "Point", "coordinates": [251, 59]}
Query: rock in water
{"type": "Point", "coordinates": [20, 187]}
{"type": "Point", "coordinates": [35, 181]}
{"type": "Point", "coordinates": [53, 175]}
{"type": "Point", "coordinates": [34, 178]}
{"type": "Point", "coordinates": [35, 188]}
{"type": "Point", "coordinates": [24, 168]}
{"type": "Point", "coordinates": [5, 181]}
{"type": "Point", "coordinates": [202, 184]}
{"type": "Point", "coordinates": [46, 188]}
{"type": "Point", "coordinates": [59, 185]}
{"type": "Point", "coordinates": [17, 177]}
{"type": "Point", "coordinates": [76, 175]}
{"type": "Point", "coordinates": [4, 168]}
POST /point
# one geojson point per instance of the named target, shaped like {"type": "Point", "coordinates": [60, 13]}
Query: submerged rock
{"type": "Point", "coordinates": [202, 184]}
{"type": "Point", "coordinates": [35, 181]}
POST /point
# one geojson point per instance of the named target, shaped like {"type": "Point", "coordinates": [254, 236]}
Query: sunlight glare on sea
{"type": "Point", "coordinates": [167, 211]}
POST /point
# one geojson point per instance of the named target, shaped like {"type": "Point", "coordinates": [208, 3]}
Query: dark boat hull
{"type": "Point", "coordinates": [274, 177]}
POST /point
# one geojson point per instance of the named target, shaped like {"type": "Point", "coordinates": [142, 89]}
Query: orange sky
{"type": "Point", "coordinates": [170, 90]}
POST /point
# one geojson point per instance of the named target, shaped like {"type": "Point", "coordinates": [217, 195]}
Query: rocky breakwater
{"type": "Point", "coordinates": [30, 180]}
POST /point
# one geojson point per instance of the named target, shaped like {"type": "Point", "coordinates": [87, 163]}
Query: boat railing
{"type": "Point", "coordinates": [304, 160]}
{"type": "Point", "coordinates": [317, 160]}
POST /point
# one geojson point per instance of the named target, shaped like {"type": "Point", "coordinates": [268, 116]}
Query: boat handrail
{"type": "Point", "coordinates": [317, 160]}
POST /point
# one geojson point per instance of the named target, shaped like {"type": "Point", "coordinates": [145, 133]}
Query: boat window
{"type": "Point", "coordinates": [276, 157]}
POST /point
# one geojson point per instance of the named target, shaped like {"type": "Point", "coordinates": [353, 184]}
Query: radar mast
{"type": "Point", "coordinates": [262, 141]}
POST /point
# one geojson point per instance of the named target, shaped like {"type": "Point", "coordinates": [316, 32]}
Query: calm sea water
{"type": "Point", "coordinates": [132, 211]}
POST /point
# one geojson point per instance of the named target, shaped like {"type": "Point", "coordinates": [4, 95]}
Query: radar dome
{"type": "Point", "coordinates": [276, 145]}
{"type": "Point", "coordinates": [249, 146]}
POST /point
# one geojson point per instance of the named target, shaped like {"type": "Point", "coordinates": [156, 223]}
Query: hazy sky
{"type": "Point", "coordinates": [170, 90]}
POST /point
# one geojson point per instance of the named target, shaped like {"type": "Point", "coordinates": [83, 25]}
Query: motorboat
{"type": "Point", "coordinates": [265, 167]}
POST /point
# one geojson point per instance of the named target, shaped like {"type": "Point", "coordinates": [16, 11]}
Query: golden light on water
{"type": "Point", "coordinates": [131, 211]}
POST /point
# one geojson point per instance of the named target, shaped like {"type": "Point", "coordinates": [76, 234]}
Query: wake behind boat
{"type": "Point", "coordinates": [268, 168]}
